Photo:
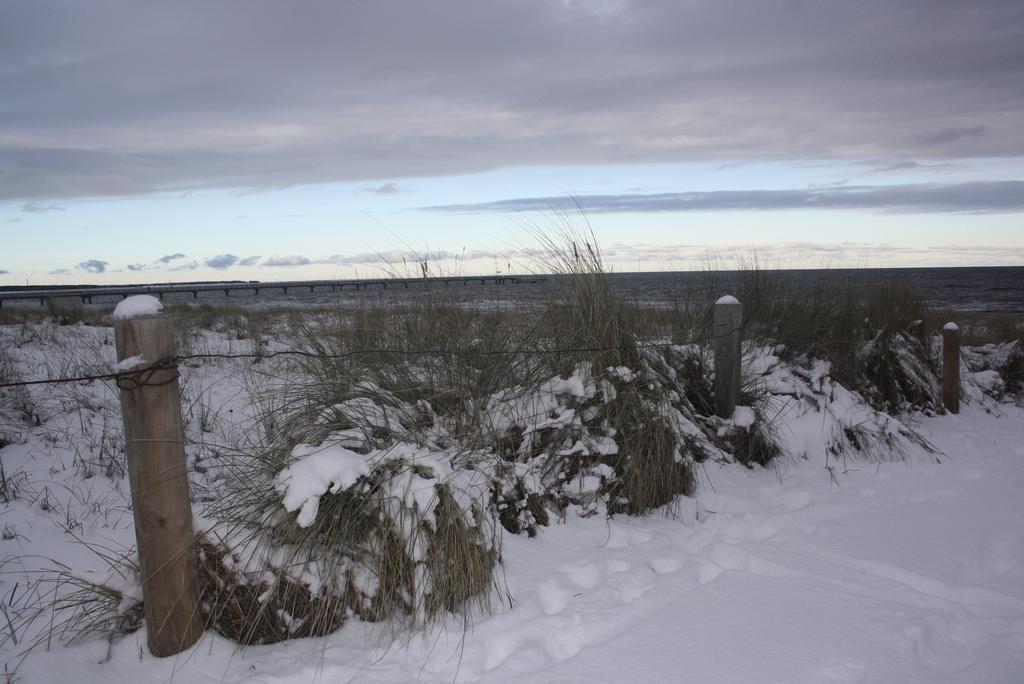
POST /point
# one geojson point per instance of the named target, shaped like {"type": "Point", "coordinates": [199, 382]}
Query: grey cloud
{"type": "Point", "coordinates": [93, 266]}
{"type": "Point", "coordinates": [287, 98]}
{"type": "Point", "coordinates": [412, 257]}
{"type": "Point", "coordinates": [910, 165]}
{"type": "Point", "coordinates": [390, 257]}
{"type": "Point", "coordinates": [387, 257]}
{"type": "Point", "coordinates": [249, 261]}
{"type": "Point", "coordinates": [221, 261]}
{"type": "Point", "coordinates": [168, 258]}
{"type": "Point", "coordinates": [3, 272]}
{"type": "Point", "coordinates": [137, 267]}
{"type": "Point", "coordinates": [59, 271]}
{"type": "Point", "coordinates": [981, 196]}
{"type": "Point", "coordinates": [36, 208]}
{"type": "Point", "coordinates": [898, 166]}
{"type": "Point", "coordinates": [290, 260]}
{"type": "Point", "coordinates": [386, 189]}
{"type": "Point", "coordinates": [949, 135]}
{"type": "Point", "coordinates": [187, 266]}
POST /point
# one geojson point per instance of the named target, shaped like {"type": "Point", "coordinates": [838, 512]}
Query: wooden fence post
{"type": "Point", "coordinates": [951, 367]}
{"type": "Point", "coordinates": [155, 446]}
{"type": "Point", "coordinates": [728, 321]}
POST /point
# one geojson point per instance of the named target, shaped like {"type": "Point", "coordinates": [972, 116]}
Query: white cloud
{"type": "Point", "coordinates": [93, 266]}
{"type": "Point", "coordinates": [290, 260]}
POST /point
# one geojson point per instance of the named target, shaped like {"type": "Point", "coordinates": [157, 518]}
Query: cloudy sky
{"type": "Point", "coordinates": [289, 140]}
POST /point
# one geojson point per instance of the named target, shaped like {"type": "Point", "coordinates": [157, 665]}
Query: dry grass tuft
{"type": "Point", "coordinates": [875, 334]}
{"type": "Point", "coordinates": [263, 610]}
{"type": "Point", "coordinates": [56, 604]}
{"type": "Point", "coordinates": [15, 402]}
{"type": "Point", "coordinates": [370, 551]}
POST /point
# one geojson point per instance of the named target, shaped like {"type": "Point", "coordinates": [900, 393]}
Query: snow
{"type": "Point", "coordinates": [951, 326]}
{"type": "Point", "coordinates": [743, 416]}
{"type": "Point", "coordinates": [316, 471]}
{"type": "Point", "coordinates": [988, 381]}
{"type": "Point", "coordinates": [576, 385]}
{"type": "Point", "coordinates": [909, 572]}
{"type": "Point", "coordinates": [136, 306]}
{"type": "Point", "coordinates": [622, 373]}
{"type": "Point", "coordinates": [817, 569]}
{"type": "Point", "coordinates": [727, 299]}
{"type": "Point", "coordinates": [129, 363]}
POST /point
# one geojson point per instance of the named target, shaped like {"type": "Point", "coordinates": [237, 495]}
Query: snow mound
{"type": "Point", "coordinates": [137, 306]}
{"type": "Point", "coordinates": [317, 471]}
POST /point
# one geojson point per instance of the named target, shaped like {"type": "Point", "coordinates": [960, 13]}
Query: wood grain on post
{"type": "Point", "coordinates": [727, 340]}
{"type": "Point", "coordinates": [155, 446]}
{"type": "Point", "coordinates": [951, 367]}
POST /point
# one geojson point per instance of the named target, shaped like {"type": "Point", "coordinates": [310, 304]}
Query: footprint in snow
{"type": "Point", "coordinates": [634, 585]}
{"type": "Point", "coordinates": [553, 598]}
{"type": "Point", "coordinates": [731, 557]}
{"type": "Point", "coordinates": [582, 576]}
{"type": "Point", "coordinates": [666, 564]}
{"type": "Point", "coordinates": [500, 648]}
{"type": "Point", "coordinates": [621, 537]}
{"type": "Point", "coordinates": [708, 572]}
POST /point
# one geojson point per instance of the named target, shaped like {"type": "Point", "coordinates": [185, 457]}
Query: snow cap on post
{"type": "Point", "coordinates": [951, 326]}
{"type": "Point", "coordinates": [137, 306]}
{"type": "Point", "coordinates": [727, 299]}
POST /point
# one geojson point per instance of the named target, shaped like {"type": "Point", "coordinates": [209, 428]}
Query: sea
{"type": "Point", "coordinates": [964, 289]}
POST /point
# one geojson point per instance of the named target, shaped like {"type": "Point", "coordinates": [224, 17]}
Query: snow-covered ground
{"type": "Point", "coordinates": [908, 571]}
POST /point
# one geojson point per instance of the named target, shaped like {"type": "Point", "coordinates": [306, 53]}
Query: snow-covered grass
{"type": "Point", "coordinates": [816, 569]}
{"type": "Point", "coordinates": [481, 499]}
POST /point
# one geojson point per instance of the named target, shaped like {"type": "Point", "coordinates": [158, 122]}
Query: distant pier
{"type": "Point", "coordinates": [86, 294]}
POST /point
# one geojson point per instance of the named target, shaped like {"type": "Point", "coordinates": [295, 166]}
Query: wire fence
{"type": "Point", "coordinates": [142, 376]}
